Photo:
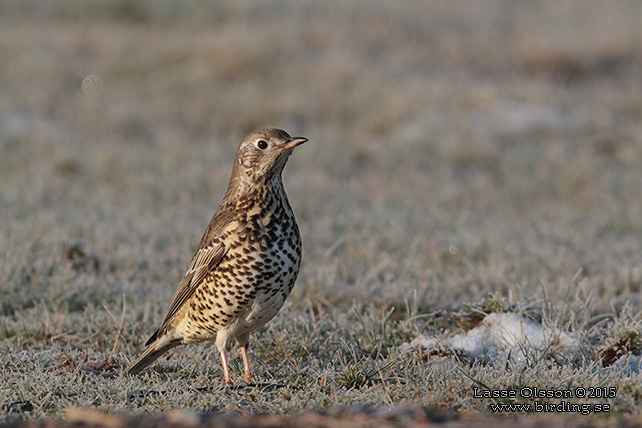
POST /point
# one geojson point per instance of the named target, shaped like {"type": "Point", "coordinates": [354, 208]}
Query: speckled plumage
{"type": "Point", "coordinates": [247, 261]}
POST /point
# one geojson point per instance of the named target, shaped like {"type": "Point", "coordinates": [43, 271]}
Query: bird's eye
{"type": "Point", "coordinates": [262, 144]}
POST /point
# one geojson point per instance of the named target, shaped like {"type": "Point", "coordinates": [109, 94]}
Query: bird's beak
{"type": "Point", "coordinates": [293, 142]}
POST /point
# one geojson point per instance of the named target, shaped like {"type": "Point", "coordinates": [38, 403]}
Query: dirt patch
{"type": "Point", "coordinates": [358, 417]}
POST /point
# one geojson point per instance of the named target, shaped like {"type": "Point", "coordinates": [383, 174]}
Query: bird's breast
{"type": "Point", "coordinates": [250, 284]}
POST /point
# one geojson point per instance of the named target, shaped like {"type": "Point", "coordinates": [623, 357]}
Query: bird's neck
{"type": "Point", "coordinates": [244, 193]}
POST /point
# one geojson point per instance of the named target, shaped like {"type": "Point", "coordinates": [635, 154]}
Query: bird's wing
{"type": "Point", "coordinates": [210, 252]}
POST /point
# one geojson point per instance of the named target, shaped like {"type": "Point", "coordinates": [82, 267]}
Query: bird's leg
{"type": "Point", "coordinates": [221, 344]}
{"type": "Point", "coordinates": [226, 370]}
{"type": "Point", "coordinates": [243, 340]}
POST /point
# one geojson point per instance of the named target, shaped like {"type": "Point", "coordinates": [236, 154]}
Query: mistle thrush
{"type": "Point", "coordinates": [247, 261]}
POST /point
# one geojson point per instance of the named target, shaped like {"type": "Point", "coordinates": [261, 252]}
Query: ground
{"type": "Point", "coordinates": [465, 159]}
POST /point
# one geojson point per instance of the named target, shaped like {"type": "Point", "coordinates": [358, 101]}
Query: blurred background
{"type": "Point", "coordinates": [456, 148]}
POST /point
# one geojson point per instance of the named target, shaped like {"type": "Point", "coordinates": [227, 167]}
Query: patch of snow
{"type": "Point", "coordinates": [422, 342]}
{"type": "Point", "coordinates": [500, 335]}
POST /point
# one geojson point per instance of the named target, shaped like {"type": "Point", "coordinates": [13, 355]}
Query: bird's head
{"type": "Point", "coordinates": [261, 157]}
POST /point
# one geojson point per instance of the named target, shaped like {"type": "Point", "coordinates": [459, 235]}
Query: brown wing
{"type": "Point", "coordinates": [210, 252]}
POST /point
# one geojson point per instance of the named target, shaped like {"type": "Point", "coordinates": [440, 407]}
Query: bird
{"type": "Point", "coordinates": [246, 263]}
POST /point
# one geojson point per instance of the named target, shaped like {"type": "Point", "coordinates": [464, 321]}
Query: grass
{"type": "Point", "coordinates": [462, 158]}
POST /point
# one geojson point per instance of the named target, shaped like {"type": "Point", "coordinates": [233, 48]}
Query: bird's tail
{"type": "Point", "coordinates": [155, 350]}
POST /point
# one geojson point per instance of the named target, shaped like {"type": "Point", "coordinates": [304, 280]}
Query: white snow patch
{"type": "Point", "coordinates": [501, 334]}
